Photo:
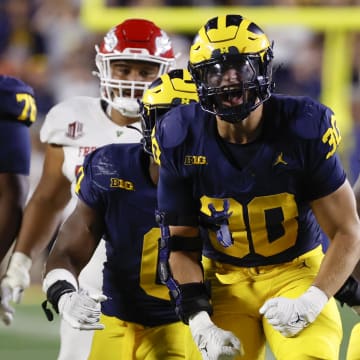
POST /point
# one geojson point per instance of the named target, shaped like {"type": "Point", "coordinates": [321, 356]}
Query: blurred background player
{"type": "Point", "coordinates": [116, 188]}
{"type": "Point", "coordinates": [131, 55]}
{"type": "Point", "coordinates": [17, 113]}
{"type": "Point", "coordinates": [263, 169]}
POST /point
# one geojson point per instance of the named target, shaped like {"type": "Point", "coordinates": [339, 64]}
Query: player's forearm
{"type": "Point", "coordinates": [65, 256]}
{"type": "Point", "coordinates": [39, 225]}
{"type": "Point", "coordinates": [339, 262]}
{"type": "Point", "coordinates": [185, 267]}
{"type": "Point", "coordinates": [356, 189]}
{"type": "Point", "coordinates": [58, 260]}
{"type": "Point", "coordinates": [12, 202]}
{"type": "Point", "coordinates": [9, 226]}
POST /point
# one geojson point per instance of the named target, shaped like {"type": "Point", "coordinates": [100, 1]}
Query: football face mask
{"type": "Point", "coordinates": [230, 62]}
{"type": "Point", "coordinates": [135, 40]}
{"type": "Point", "coordinates": [231, 86]}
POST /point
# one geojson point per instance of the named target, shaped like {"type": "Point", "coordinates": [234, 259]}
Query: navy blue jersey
{"type": "Point", "coordinates": [254, 198]}
{"type": "Point", "coordinates": [17, 101]}
{"type": "Point", "coordinates": [115, 182]}
{"type": "Point", "coordinates": [17, 108]}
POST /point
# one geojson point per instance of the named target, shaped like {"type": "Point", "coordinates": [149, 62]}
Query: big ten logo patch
{"type": "Point", "coordinates": [122, 184]}
{"type": "Point", "coordinates": [195, 160]}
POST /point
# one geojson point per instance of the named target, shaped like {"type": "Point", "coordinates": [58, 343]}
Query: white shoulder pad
{"type": "Point", "coordinates": [65, 119]}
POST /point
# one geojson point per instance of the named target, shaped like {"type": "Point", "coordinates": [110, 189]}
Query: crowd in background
{"type": "Point", "coordinates": [44, 43]}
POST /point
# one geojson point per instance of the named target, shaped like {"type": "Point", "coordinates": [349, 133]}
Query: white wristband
{"type": "Point", "coordinates": [317, 293]}
{"type": "Point", "coordinates": [58, 274]}
{"type": "Point", "coordinates": [201, 317]}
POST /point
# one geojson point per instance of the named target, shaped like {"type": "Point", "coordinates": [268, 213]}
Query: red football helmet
{"type": "Point", "coordinates": [133, 39]}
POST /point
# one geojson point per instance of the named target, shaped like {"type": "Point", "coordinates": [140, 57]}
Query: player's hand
{"type": "Point", "coordinates": [15, 281]}
{"type": "Point", "coordinates": [290, 316]}
{"type": "Point", "coordinates": [81, 310]}
{"type": "Point", "coordinates": [214, 343]}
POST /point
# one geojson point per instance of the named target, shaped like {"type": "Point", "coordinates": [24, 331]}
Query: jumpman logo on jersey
{"type": "Point", "coordinates": [280, 160]}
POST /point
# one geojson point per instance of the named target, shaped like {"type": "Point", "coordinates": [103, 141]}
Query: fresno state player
{"type": "Point", "coordinates": [131, 56]}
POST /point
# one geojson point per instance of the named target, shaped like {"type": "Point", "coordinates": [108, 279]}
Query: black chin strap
{"type": "Point", "coordinates": [134, 128]}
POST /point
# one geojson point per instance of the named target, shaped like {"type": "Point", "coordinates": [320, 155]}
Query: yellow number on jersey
{"type": "Point", "coordinates": [148, 269]}
{"type": "Point", "coordinates": [252, 236]}
{"type": "Point", "coordinates": [332, 137]}
{"type": "Point", "coordinates": [29, 110]}
{"type": "Point", "coordinates": [155, 148]}
{"type": "Point", "coordinates": [79, 177]}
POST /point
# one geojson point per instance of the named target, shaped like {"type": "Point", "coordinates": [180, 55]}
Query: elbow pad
{"type": "Point", "coordinates": [190, 298]}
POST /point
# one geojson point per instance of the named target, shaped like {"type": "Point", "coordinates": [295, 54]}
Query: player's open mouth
{"type": "Point", "coordinates": [232, 100]}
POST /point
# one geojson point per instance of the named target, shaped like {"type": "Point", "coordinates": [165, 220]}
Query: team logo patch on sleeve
{"type": "Point", "coordinates": [75, 130]}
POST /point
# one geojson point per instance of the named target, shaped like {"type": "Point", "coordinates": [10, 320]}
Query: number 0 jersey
{"type": "Point", "coordinates": [254, 198]}
{"type": "Point", "coordinates": [79, 125]}
{"type": "Point", "coordinates": [115, 182]}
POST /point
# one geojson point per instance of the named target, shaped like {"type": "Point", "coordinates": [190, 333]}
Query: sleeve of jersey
{"type": "Point", "coordinates": [53, 130]}
{"type": "Point", "coordinates": [15, 148]}
{"type": "Point", "coordinates": [325, 173]}
{"type": "Point", "coordinates": [174, 189]}
{"type": "Point", "coordinates": [86, 188]}
{"type": "Point", "coordinates": [17, 101]}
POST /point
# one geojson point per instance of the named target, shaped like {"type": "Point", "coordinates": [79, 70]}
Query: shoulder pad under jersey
{"type": "Point", "coordinates": [174, 126]}
{"type": "Point", "coordinates": [94, 174]}
{"type": "Point", "coordinates": [110, 161]}
{"type": "Point", "coordinates": [60, 116]}
{"type": "Point", "coordinates": [308, 119]}
{"type": "Point", "coordinates": [17, 100]}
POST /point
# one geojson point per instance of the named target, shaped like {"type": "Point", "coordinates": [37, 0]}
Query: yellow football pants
{"type": "Point", "coordinates": [121, 340]}
{"type": "Point", "coordinates": [238, 294]}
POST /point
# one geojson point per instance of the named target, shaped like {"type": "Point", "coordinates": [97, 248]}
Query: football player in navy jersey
{"type": "Point", "coordinates": [17, 112]}
{"type": "Point", "coordinates": [116, 191]}
{"type": "Point", "coordinates": [130, 56]}
{"type": "Point", "coordinates": [263, 170]}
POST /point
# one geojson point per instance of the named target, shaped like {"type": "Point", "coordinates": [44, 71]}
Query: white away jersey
{"type": "Point", "coordinates": [80, 125]}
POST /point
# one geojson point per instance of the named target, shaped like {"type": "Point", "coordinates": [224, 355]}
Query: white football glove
{"type": "Point", "coordinates": [14, 282]}
{"type": "Point", "coordinates": [290, 316]}
{"type": "Point", "coordinates": [213, 342]}
{"type": "Point", "coordinates": [81, 310]}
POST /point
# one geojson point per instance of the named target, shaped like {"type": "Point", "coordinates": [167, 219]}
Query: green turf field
{"type": "Point", "coordinates": [32, 337]}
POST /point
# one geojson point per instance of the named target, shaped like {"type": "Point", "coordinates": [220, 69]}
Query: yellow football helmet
{"type": "Point", "coordinates": [169, 90]}
{"type": "Point", "coordinates": [231, 64]}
